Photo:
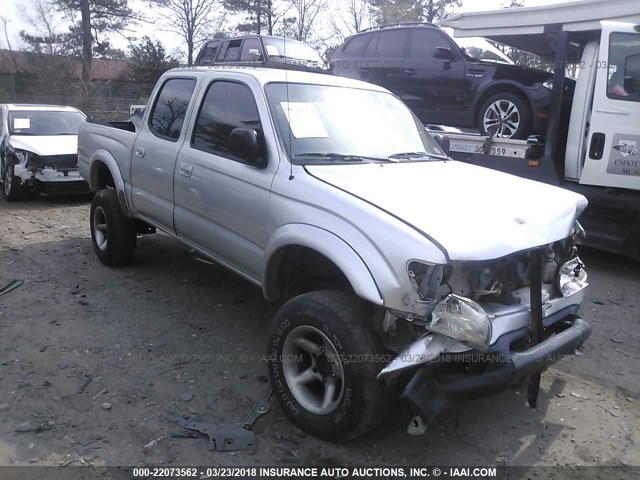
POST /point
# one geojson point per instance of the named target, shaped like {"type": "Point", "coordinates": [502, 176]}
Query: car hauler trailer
{"type": "Point", "coordinates": [592, 143]}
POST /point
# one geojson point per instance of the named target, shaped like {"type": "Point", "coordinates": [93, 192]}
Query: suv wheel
{"type": "Point", "coordinates": [505, 115]}
{"type": "Point", "coordinates": [324, 357]}
{"type": "Point", "coordinates": [12, 188]}
{"type": "Point", "coordinates": [113, 234]}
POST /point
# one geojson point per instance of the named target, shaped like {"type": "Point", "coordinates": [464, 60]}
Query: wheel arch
{"type": "Point", "coordinates": [306, 245]}
{"type": "Point", "coordinates": [105, 173]}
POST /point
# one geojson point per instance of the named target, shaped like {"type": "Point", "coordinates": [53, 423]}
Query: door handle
{"type": "Point", "coordinates": [596, 150]}
{"type": "Point", "coordinates": [185, 169]}
{"type": "Point", "coordinates": [363, 70]}
{"type": "Point", "coordinates": [140, 152]}
{"type": "Point", "coordinates": [410, 71]}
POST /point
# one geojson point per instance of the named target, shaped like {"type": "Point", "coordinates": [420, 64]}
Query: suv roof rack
{"type": "Point", "coordinates": [407, 24]}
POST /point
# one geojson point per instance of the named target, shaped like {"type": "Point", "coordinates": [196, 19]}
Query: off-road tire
{"type": "Point", "coordinates": [524, 113]}
{"type": "Point", "coordinates": [12, 188]}
{"type": "Point", "coordinates": [347, 321]}
{"type": "Point", "coordinates": [119, 230]}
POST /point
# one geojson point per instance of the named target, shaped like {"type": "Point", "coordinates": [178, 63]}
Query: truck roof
{"type": "Point", "coordinates": [269, 75]}
{"type": "Point", "coordinates": [524, 27]}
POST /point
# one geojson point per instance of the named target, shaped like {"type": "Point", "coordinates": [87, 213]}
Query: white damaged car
{"type": "Point", "coordinates": [38, 149]}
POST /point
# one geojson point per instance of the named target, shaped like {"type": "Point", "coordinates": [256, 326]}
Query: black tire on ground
{"type": "Point", "coordinates": [309, 335]}
{"type": "Point", "coordinates": [12, 188]}
{"type": "Point", "coordinates": [510, 113]}
{"type": "Point", "coordinates": [112, 233]}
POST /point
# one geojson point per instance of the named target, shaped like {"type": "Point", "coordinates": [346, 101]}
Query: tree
{"type": "Point", "coordinates": [434, 11]}
{"type": "Point", "coordinates": [191, 19]}
{"type": "Point", "coordinates": [304, 13]}
{"type": "Point", "coordinates": [91, 21]}
{"type": "Point", "coordinates": [149, 61]}
{"type": "Point", "coordinates": [260, 15]}
{"type": "Point", "coordinates": [388, 12]}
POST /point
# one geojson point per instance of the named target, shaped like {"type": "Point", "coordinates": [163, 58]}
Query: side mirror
{"type": "Point", "coordinates": [443, 53]}
{"type": "Point", "coordinates": [243, 143]}
{"type": "Point", "coordinates": [254, 54]}
{"type": "Point", "coordinates": [444, 142]}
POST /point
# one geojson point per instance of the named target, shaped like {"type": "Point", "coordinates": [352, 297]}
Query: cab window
{"type": "Point", "coordinates": [170, 108]}
{"type": "Point", "coordinates": [624, 67]}
{"type": "Point", "coordinates": [250, 44]}
{"type": "Point", "coordinates": [226, 105]}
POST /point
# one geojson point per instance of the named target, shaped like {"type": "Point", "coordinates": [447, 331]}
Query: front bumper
{"type": "Point", "coordinates": [456, 377]}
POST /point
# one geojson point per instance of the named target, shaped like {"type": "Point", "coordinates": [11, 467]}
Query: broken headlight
{"type": "Point", "coordinates": [462, 319]}
{"type": "Point", "coordinates": [572, 277]}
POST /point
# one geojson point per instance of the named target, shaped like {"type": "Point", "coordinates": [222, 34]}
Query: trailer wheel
{"type": "Point", "coordinates": [505, 115]}
{"type": "Point", "coordinates": [324, 357]}
{"type": "Point", "coordinates": [112, 233]}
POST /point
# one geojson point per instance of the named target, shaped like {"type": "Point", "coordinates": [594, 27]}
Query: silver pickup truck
{"type": "Point", "coordinates": [398, 269]}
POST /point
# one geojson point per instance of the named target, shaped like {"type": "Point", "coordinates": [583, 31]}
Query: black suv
{"type": "Point", "coordinates": [445, 85]}
{"type": "Point", "coordinates": [260, 51]}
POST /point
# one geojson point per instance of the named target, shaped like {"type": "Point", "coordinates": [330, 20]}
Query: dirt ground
{"type": "Point", "coordinates": [94, 357]}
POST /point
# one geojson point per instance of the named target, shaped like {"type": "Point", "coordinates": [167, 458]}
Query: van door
{"type": "Point", "coordinates": [613, 149]}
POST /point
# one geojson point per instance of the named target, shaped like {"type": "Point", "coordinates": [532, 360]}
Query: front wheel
{"type": "Point", "coordinates": [112, 233]}
{"type": "Point", "coordinates": [12, 188]}
{"type": "Point", "coordinates": [505, 115]}
{"type": "Point", "coordinates": [324, 357]}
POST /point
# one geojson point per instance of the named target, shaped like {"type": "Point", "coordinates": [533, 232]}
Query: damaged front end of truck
{"type": "Point", "coordinates": [485, 325]}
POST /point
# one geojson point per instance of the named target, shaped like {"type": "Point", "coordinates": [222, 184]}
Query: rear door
{"type": "Point", "coordinates": [613, 148]}
{"type": "Point", "coordinates": [156, 149]}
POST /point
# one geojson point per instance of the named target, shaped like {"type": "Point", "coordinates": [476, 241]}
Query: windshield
{"type": "Point", "coordinates": [42, 122]}
{"type": "Point", "coordinates": [320, 123]}
{"type": "Point", "coordinates": [480, 49]}
{"type": "Point", "coordinates": [279, 47]}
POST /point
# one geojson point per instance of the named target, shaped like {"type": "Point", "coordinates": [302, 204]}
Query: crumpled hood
{"type": "Point", "coordinates": [45, 144]}
{"type": "Point", "coordinates": [474, 213]}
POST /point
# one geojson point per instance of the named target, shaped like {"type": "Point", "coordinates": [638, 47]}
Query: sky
{"type": "Point", "coordinates": [15, 13]}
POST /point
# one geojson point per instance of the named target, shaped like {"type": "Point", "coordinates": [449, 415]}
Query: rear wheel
{"type": "Point", "coordinates": [505, 115]}
{"type": "Point", "coordinates": [324, 357]}
{"type": "Point", "coordinates": [113, 234]}
{"type": "Point", "coordinates": [12, 188]}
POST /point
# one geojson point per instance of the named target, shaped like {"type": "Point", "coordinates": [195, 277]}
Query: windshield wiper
{"type": "Point", "coordinates": [402, 155]}
{"type": "Point", "coordinates": [342, 157]}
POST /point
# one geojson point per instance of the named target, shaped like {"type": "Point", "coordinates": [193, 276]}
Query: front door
{"type": "Point", "coordinates": [222, 203]}
{"type": "Point", "coordinates": [613, 147]}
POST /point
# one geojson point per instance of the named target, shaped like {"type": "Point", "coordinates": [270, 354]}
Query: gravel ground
{"type": "Point", "coordinates": [94, 357]}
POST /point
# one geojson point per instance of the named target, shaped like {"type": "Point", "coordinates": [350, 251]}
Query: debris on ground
{"type": "Point", "coordinates": [11, 286]}
{"type": "Point", "coordinates": [85, 384]}
{"type": "Point", "coordinates": [222, 436]}
{"type": "Point", "coordinates": [187, 396]}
